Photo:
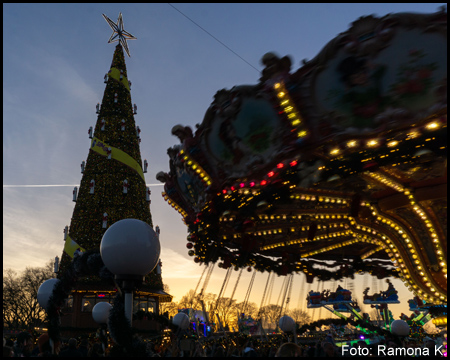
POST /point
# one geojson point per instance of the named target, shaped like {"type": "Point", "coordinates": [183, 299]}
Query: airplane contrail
{"type": "Point", "coordinates": [18, 186]}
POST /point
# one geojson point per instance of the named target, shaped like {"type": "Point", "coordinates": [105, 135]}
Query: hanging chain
{"type": "Point", "coordinates": [300, 303]}
{"type": "Point", "coordinates": [247, 295]}
{"type": "Point", "coordinates": [282, 290]}
{"type": "Point", "coordinates": [287, 293]}
{"type": "Point", "coordinates": [235, 286]}
{"type": "Point", "coordinates": [264, 295]}
{"type": "Point", "coordinates": [208, 276]}
{"type": "Point", "coordinates": [269, 295]}
{"type": "Point", "coordinates": [320, 309]}
{"type": "Point", "coordinates": [199, 281]}
{"type": "Point", "coordinates": [224, 286]}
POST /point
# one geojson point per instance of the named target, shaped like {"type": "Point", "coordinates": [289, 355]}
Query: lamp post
{"type": "Point", "coordinates": [287, 324]}
{"type": "Point", "coordinates": [130, 249]}
{"type": "Point", "coordinates": [100, 314]}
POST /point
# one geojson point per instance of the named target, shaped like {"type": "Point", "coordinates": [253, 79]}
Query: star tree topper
{"type": "Point", "coordinates": [119, 34]}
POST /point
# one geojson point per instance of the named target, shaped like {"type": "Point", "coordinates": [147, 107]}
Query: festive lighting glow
{"type": "Point", "coordinates": [335, 151]}
{"type": "Point", "coordinates": [351, 143]}
{"type": "Point", "coordinates": [392, 143]}
{"type": "Point", "coordinates": [432, 125]}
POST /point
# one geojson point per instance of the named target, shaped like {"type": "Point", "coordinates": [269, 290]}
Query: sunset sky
{"type": "Point", "coordinates": [54, 59]}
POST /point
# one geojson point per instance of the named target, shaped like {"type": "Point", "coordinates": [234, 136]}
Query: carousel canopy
{"type": "Point", "coordinates": [336, 168]}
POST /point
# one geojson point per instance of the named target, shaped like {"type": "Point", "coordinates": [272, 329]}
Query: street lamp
{"type": "Point", "coordinates": [100, 314]}
{"type": "Point", "coordinates": [287, 324]}
{"type": "Point", "coordinates": [130, 249]}
{"type": "Point", "coordinates": [45, 291]}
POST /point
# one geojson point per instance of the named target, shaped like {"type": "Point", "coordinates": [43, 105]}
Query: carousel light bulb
{"type": "Point", "coordinates": [334, 151]}
{"type": "Point", "coordinates": [392, 143]}
{"type": "Point", "coordinates": [432, 125]}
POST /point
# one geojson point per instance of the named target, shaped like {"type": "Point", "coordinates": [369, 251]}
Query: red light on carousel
{"type": "Point", "coordinates": [252, 184]}
{"type": "Point", "coordinates": [270, 174]}
{"type": "Point", "coordinates": [241, 185]}
{"type": "Point", "coordinates": [280, 165]}
{"type": "Point", "coordinates": [224, 191]}
{"type": "Point", "coordinates": [264, 182]}
{"type": "Point", "coordinates": [293, 163]}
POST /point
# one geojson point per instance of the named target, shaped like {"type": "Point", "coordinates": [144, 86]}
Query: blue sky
{"type": "Point", "coordinates": [54, 59]}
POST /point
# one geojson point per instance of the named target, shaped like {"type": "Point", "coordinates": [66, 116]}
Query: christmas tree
{"type": "Point", "coordinates": [113, 186]}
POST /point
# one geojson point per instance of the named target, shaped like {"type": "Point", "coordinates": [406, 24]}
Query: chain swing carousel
{"type": "Point", "coordinates": [336, 168]}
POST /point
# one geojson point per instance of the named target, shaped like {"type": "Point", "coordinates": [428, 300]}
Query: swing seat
{"type": "Point", "coordinates": [310, 306]}
{"type": "Point", "coordinates": [337, 301]}
{"type": "Point", "coordinates": [391, 301]}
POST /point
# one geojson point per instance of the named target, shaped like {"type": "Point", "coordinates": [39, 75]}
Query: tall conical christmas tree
{"type": "Point", "coordinates": [113, 185]}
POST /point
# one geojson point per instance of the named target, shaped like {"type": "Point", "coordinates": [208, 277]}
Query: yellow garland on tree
{"type": "Point", "coordinates": [71, 246]}
{"type": "Point", "coordinates": [117, 154]}
{"type": "Point", "coordinates": [115, 74]}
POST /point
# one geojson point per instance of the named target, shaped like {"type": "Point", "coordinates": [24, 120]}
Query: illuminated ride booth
{"type": "Point", "coordinates": [340, 164]}
{"type": "Point", "coordinates": [76, 316]}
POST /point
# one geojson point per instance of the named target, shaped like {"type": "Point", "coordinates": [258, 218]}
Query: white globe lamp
{"type": "Point", "coordinates": [286, 323]}
{"type": "Point", "coordinates": [181, 320]}
{"type": "Point", "coordinates": [130, 249]}
{"type": "Point", "coordinates": [400, 328]}
{"type": "Point", "coordinates": [45, 291]}
{"type": "Point", "coordinates": [100, 312]}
